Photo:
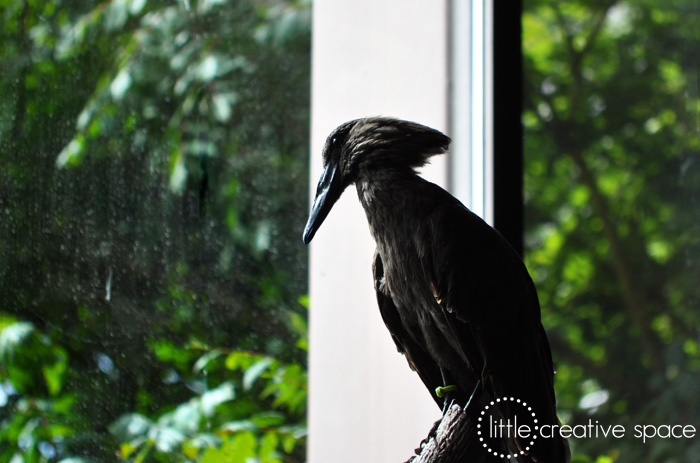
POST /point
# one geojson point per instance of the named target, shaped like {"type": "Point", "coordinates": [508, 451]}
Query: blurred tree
{"type": "Point", "coordinates": [611, 187]}
{"type": "Point", "coordinates": [153, 177]}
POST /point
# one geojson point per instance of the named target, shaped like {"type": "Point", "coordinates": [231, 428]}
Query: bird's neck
{"type": "Point", "coordinates": [389, 198]}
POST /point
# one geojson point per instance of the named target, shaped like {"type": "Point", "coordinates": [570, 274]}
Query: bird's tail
{"type": "Point", "coordinates": [524, 399]}
{"type": "Point", "coordinates": [549, 446]}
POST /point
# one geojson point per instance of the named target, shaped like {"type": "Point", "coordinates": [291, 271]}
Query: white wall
{"type": "Point", "coordinates": [370, 57]}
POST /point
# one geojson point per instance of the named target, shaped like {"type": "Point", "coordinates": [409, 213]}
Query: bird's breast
{"type": "Point", "coordinates": [396, 210]}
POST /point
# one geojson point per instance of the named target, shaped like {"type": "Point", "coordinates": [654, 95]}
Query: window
{"type": "Point", "coordinates": [153, 172]}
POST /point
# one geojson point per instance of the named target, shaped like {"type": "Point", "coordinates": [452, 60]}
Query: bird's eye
{"type": "Point", "coordinates": [334, 141]}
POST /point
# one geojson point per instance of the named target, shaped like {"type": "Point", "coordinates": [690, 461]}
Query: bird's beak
{"type": "Point", "coordinates": [327, 193]}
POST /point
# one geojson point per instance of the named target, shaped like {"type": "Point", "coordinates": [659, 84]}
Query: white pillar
{"type": "Point", "coordinates": [370, 58]}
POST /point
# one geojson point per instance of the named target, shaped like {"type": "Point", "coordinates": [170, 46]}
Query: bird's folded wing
{"type": "Point", "coordinates": [417, 356]}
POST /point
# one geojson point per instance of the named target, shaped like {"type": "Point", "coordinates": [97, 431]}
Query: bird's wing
{"type": "Point", "coordinates": [418, 358]}
{"type": "Point", "coordinates": [470, 264]}
{"type": "Point", "coordinates": [482, 283]}
{"type": "Point", "coordinates": [492, 307]}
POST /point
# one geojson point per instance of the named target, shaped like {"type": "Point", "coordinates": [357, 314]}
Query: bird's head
{"type": "Point", "coordinates": [366, 145]}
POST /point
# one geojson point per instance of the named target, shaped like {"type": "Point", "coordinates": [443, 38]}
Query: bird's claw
{"type": "Point", "coordinates": [447, 393]}
{"type": "Point", "coordinates": [442, 391]}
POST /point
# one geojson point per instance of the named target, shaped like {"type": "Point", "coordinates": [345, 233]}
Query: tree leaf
{"type": "Point", "coordinates": [254, 372]}
{"type": "Point", "coordinates": [215, 397]}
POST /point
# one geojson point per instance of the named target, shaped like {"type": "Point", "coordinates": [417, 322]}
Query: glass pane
{"type": "Point", "coordinates": [153, 189]}
{"type": "Point", "coordinates": [611, 191]}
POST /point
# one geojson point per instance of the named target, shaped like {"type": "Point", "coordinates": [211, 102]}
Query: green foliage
{"type": "Point", "coordinates": [612, 217]}
{"type": "Point", "coordinates": [220, 425]}
{"type": "Point", "coordinates": [153, 185]}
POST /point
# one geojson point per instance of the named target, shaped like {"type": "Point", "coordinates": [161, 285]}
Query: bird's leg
{"type": "Point", "coordinates": [477, 390]}
{"type": "Point", "coordinates": [446, 392]}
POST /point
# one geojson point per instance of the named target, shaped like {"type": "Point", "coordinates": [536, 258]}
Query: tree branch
{"type": "Point", "coordinates": [576, 57]}
{"type": "Point", "coordinates": [632, 290]}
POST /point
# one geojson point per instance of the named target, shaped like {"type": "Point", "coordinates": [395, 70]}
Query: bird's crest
{"type": "Point", "coordinates": [381, 142]}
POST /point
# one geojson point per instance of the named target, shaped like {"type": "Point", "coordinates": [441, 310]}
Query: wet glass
{"type": "Point", "coordinates": [153, 189]}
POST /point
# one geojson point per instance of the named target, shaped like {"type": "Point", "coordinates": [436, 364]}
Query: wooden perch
{"type": "Point", "coordinates": [453, 441]}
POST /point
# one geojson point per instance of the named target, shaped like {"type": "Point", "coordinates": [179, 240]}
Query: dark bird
{"type": "Point", "coordinates": [455, 296]}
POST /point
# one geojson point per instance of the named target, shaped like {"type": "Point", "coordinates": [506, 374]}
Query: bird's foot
{"type": "Point", "coordinates": [448, 394]}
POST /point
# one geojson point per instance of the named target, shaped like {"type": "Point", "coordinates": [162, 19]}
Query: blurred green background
{"type": "Point", "coordinates": [153, 185]}
{"type": "Point", "coordinates": [612, 192]}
